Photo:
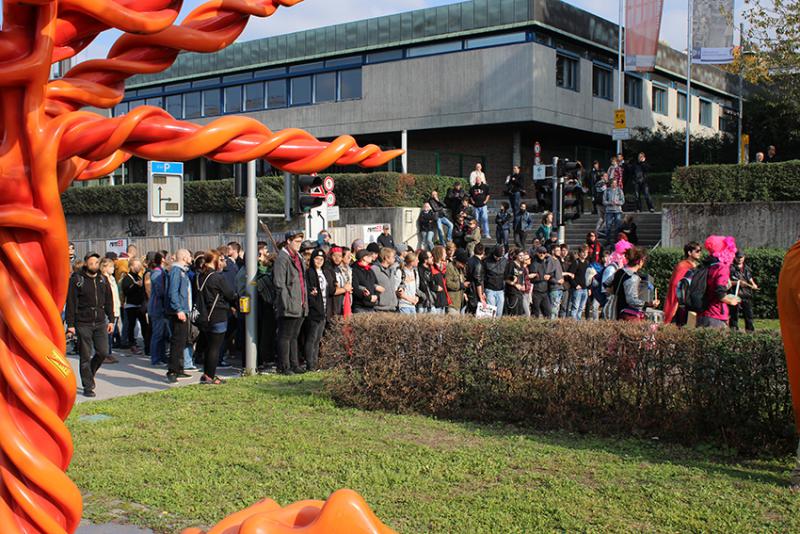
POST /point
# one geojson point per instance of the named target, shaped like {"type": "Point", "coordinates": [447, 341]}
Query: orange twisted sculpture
{"type": "Point", "coordinates": [47, 143]}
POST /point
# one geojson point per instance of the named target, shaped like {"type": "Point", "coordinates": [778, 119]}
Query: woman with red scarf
{"type": "Point", "coordinates": [441, 300]}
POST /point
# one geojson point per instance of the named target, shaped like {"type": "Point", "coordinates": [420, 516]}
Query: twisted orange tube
{"type": "Point", "coordinates": [46, 143]}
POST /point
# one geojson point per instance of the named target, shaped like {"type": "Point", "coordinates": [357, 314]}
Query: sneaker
{"type": "Point", "coordinates": [287, 373]}
{"type": "Point", "coordinates": [110, 359]}
{"type": "Point", "coordinates": [89, 393]}
{"type": "Point", "coordinates": [172, 378]}
{"type": "Point", "coordinates": [135, 350]}
{"type": "Point", "coordinates": [652, 210]}
{"type": "Point", "coordinates": [224, 365]}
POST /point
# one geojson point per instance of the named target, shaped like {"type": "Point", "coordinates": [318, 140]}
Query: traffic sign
{"type": "Point", "coordinates": [330, 199]}
{"type": "Point", "coordinates": [333, 214]}
{"type": "Point", "coordinates": [621, 134]}
{"type": "Point", "coordinates": [165, 191]}
{"type": "Point", "coordinates": [537, 153]}
{"type": "Point", "coordinates": [539, 172]}
{"type": "Point", "coordinates": [328, 184]}
{"type": "Point", "coordinates": [620, 121]}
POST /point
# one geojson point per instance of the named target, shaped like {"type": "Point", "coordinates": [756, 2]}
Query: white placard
{"type": "Point", "coordinates": [164, 191]}
{"type": "Point", "coordinates": [539, 172]}
{"type": "Point", "coordinates": [117, 246]}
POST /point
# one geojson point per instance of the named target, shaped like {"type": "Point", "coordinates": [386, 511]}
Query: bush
{"type": "Point", "coordinates": [764, 262]}
{"type": "Point", "coordinates": [689, 386]}
{"type": "Point", "coordinates": [774, 182]}
{"type": "Point", "coordinates": [380, 189]}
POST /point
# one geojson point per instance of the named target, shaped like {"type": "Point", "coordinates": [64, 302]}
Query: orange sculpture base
{"type": "Point", "coordinates": [345, 512]}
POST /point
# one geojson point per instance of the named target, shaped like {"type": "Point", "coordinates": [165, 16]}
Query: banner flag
{"type": "Point", "coordinates": [642, 27]}
{"type": "Point", "coordinates": [712, 32]}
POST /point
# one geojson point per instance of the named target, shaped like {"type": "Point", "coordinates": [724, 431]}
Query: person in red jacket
{"type": "Point", "coordinates": [692, 253]}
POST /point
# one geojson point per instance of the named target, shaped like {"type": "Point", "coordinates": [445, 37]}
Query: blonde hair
{"type": "Point", "coordinates": [105, 262]}
{"type": "Point", "coordinates": [438, 253]}
{"type": "Point", "coordinates": [410, 258]}
{"type": "Point", "coordinates": [386, 253]}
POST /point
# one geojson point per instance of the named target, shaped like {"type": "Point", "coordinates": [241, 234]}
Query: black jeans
{"type": "Point", "coordinates": [211, 356]}
{"type": "Point", "coordinates": [641, 188]}
{"type": "Point", "coordinates": [745, 309]}
{"type": "Point", "coordinates": [541, 305]}
{"type": "Point", "coordinates": [93, 349]}
{"type": "Point", "coordinates": [288, 330]}
{"type": "Point", "coordinates": [313, 330]}
{"type": "Point", "coordinates": [180, 337]}
{"type": "Point", "coordinates": [131, 316]}
{"type": "Point", "coordinates": [519, 238]}
{"type": "Point", "coordinates": [267, 333]}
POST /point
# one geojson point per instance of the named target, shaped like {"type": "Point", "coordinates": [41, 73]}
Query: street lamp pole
{"type": "Point", "coordinates": [619, 66]}
{"type": "Point", "coordinates": [740, 149]}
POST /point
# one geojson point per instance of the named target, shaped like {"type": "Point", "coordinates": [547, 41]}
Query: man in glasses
{"type": "Point", "coordinates": [693, 253]}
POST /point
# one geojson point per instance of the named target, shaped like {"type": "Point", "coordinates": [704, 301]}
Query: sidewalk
{"type": "Point", "coordinates": [109, 528]}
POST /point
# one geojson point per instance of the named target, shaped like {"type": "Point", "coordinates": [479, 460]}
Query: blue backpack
{"type": "Point", "coordinates": [598, 292]}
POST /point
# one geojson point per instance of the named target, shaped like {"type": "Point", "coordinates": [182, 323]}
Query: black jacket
{"type": "Point", "coordinates": [454, 199]}
{"type": "Point", "coordinates": [386, 241]}
{"type": "Point", "coordinates": [495, 269]}
{"type": "Point", "coordinates": [363, 279]}
{"type": "Point", "coordinates": [215, 286]}
{"type": "Point", "coordinates": [317, 311]}
{"type": "Point", "coordinates": [132, 289]}
{"type": "Point", "coordinates": [426, 287]}
{"type": "Point", "coordinates": [427, 221]}
{"type": "Point", "coordinates": [515, 184]}
{"type": "Point", "coordinates": [438, 208]}
{"type": "Point", "coordinates": [89, 300]}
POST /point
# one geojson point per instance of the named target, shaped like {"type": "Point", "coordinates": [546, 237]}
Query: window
{"type": "Point", "coordinates": [567, 72]}
{"type": "Point", "coordinates": [120, 109]}
{"type": "Point", "coordinates": [276, 94]}
{"type": "Point", "coordinates": [350, 84]}
{"type": "Point", "coordinates": [433, 49]}
{"type": "Point", "coordinates": [211, 103]}
{"type": "Point", "coordinates": [150, 91]}
{"type": "Point", "coordinates": [192, 105]}
{"type": "Point", "coordinates": [660, 100]}
{"type": "Point", "coordinates": [388, 55]}
{"type": "Point", "coordinates": [343, 62]}
{"type": "Point", "coordinates": [681, 111]}
{"type": "Point", "coordinates": [177, 87]}
{"type": "Point", "coordinates": [133, 104]}
{"type": "Point", "coordinates": [233, 99]}
{"type": "Point", "coordinates": [301, 90]}
{"type": "Point", "coordinates": [156, 102]}
{"type": "Point", "coordinates": [305, 67]}
{"type": "Point", "coordinates": [205, 83]}
{"type": "Point", "coordinates": [270, 73]}
{"type": "Point", "coordinates": [602, 82]}
{"type": "Point", "coordinates": [633, 91]}
{"type": "Point", "coordinates": [705, 113]}
{"type": "Point", "coordinates": [254, 96]}
{"type": "Point", "coordinates": [241, 77]}
{"type": "Point", "coordinates": [175, 106]}
{"type": "Point", "coordinates": [495, 40]}
{"type": "Point", "coordinates": [325, 87]}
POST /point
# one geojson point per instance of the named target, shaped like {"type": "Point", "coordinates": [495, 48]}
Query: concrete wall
{"type": "Point", "coordinates": [753, 224]}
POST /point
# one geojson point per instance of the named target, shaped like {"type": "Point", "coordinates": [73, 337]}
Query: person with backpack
{"type": "Point", "coordinates": [615, 262]}
{"type": "Point", "coordinates": [215, 297]}
{"type": "Point", "coordinates": [692, 253]}
{"type": "Point", "coordinates": [630, 305]}
{"type": "Point", "coordinates": [712, 282]}
{"type": "Point", "coordinates": [495, 281]}
{"type": "Point", "coordinates": [598, 295]}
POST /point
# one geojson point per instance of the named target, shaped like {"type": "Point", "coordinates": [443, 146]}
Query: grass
{"type": "Point", "coordinates": [764, 324]}
{"type": "Point", "coordinates": [190, 456]}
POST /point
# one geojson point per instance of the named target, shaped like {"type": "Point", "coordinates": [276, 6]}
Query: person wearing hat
{"type": "Point", "coordinates": [456, 281]}
{"type": "Point", "coordinates": [385, 240]}
{"type": "Point", "coordinates": [306, 248]}
{"type": "Point", "coordinates": [365, 294]}
{"type": "Point", "coordinates": [321, 286]}
{"type": "Point", "coordinates": [291, 301]}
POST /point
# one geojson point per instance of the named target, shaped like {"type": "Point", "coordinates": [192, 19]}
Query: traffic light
{"type": "Point", "coordinates": [310, 194]}
{"type": "Point", "coordinates": [569, 168]}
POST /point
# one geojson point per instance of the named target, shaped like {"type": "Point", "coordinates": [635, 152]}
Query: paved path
{"type": "Point", "coordinates": [134, 374]}
{"type": "Point", "coordinates": [109, 528]}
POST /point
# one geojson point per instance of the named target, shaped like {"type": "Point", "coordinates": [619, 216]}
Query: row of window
{"type": "Point", "coordinates": [336, 86]}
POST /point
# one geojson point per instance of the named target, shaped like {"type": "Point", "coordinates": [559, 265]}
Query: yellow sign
{"type": "Point", "coordinates": [745, 149]}
{"type": "Point", "coordinates": [619, 119]}
{"type": "Point", "coordinates": [244, 304]}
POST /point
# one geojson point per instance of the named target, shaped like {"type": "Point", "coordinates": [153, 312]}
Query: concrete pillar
{"type": "Point", "coordinates": [404, 146]}
{"type": "Point", "coordinates": [516, 157]}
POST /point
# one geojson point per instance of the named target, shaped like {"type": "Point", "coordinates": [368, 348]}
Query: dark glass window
{"type": "Point", "coordinates": [325, 87]}
{"type": "Point", "coordinates": [269, 73]}
{"type": "Point", "coordinates": [305, 67]}
{"type": "Point", "coordinates": [254, 96]}
{"type": "Point", "coordinates": [567, 72]}
{"type": "Point", "coordinates": [633, 91]}
{"type": "Point", "coordinates": [175, 106]}
{"type": "Point", "coordinates": [681, 111]}
{"type": "Point", "coordinates": [276, 94]}
{"type": "Point", "coordinates": [120, 109]}
{"type": "Point", "coordinates": [241, 77]}
{"type": "Point", "coordinates": [660, 100]}
{"type": "Point", "coordinates": [706, 112]}
{"type": "Point", "coordinates": [602, 82]}
{"type": "Point", "coordinates": [350, 84]}
{"type": "Point", "coordinates": [301, 90]}
{"type": "Point", "coordinates": [233, 99]}
{"type": "Point", "coordinates": [388, 55]}
{"type": "Point", "coordinates": [205, 83]}
{"type": "Point", "coordinates": [154, 102]}
{"type": "Point", "coordinates": [438, 48]}
{"type": "Point", "coordinates": [211, 103]}
{"type": "Point", "coordinates": [135, 104]}
{"type": "Point", "coordinates": [495, 40]}
{"type": "Point", "coordinates": [343, 62]}
{"type": "Point", "coordinates": [147, 91]}
{"type": "Point", "coordinates": [177, 87]}
{"type": "Point", "coordinates": [192, 105]}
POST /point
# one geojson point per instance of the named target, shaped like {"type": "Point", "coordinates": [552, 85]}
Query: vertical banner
{"type": "Point", "coordinates": [712, 32]}
{"type": "Point", "coordinates": [642, 27]}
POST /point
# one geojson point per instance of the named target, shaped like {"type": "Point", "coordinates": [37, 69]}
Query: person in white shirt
{"type": "Point", "coordinates": [477, 174]}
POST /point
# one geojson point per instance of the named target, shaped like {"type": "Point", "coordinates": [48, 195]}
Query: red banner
{"type": "Point", "coordinates": [642, 28]}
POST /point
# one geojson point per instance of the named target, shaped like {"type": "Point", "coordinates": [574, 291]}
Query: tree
{"type": "Point", "coordinates": [665, 147]}
{"type": "Point", "coordinates": [47, 143]}
{"type": "Point", "coordinates": [772, 37]}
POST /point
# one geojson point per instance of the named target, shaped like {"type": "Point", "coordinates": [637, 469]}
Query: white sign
{"type": "Point", "coordinates": [539, 172]}
{"type": "Point", "coordinates": [333, 213]}
{"type": "Point", "coordinates": [620, 134]}
{"type": "Point", "coordinates": [164, 191]}
{"type": "Point", "coordinates": [372, 232]}
{"type": "Point", "coordinates": [117, 246]}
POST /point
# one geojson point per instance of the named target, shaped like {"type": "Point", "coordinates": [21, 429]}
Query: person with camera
{"type": "Point", "coordinates": [742, 276]}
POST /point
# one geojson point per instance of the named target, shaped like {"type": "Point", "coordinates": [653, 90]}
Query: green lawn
{"type": "Point", "coordinates": [192, 455]}
{"type": "Point", "coordinates": [765, 324]}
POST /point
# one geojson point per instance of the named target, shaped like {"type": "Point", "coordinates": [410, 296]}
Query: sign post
{"type": "Point", "coordinates": [621, 131]}
{"type": "Point", "coordinates": [165, 193]}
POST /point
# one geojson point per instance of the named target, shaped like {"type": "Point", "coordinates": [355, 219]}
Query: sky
{"type": "Point", "coordinates": [316, 13]}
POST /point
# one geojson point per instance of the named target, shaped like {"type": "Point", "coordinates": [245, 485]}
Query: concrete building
{"type": "Point", "coordinates": [477, 81]}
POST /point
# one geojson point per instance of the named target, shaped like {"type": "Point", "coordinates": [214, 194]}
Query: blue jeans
{"type": "Point", "coordinates": [188, 358]}
{"type": "Point", "coordinates": [555, 302]}
{"type": "Point", "coordinates": [158, 339]}
{"type": "Point", "coordinates": [496, 298]}
{"type": "Point", "coordinates": [482, 216]}
{"type": "Point", "coordinates": [444, 221]}
{"type": "Point", "coordinates": [577, 305]}
{"type": "Point", "coordinates": [613, 222]}
{"type": "Point", "coordinates": [407, 311]}
{"type": "Point", "coordinates": [427, 240]}
{"type": "Point", "coordinates": [515, 199]}
{"type": "Point", "coordinates": [437, 311]}
{"type": "Point", "coordinates": [502, 236]}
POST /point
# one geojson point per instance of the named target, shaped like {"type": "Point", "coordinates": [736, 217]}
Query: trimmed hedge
{"type": "Point", "coordinates": [774, 182]}
{"type": "Point", "coordinates": [380, 189]}
{"type": "Point", "coordinates": [688, 386]}
{"type": "Point", "coordinates": [764, 262]}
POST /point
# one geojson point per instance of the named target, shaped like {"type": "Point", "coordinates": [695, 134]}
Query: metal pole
{"type": "Point", "coordinates": [404, 146]}
{"type": "Point", "coordinates": [740, 158]}
{"type": "Point", "coordinates": [561, 229]}
{"type": "Point", "coordinates": [620, 66]}
{"type": "Point", "coordinates": [165, 228]}
{"type": "Point", "coordinates": [251, 264]}
{"type": "Point", "coordinates": [555, 189]}
{"type": "Point", "coordinates": [689, 81]}
{"type": "Point", "coordinates": [287, 196]}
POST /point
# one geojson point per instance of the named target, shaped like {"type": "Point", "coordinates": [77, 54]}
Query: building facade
{"type": "Point", "coordinates": [477, 81]}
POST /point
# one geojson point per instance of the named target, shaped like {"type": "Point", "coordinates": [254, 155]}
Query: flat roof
{"type": "Point", "coordinates": [423, 25]}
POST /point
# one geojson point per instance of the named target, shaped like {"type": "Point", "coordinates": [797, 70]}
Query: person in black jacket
{"type": "Point", "coordinates": [267, 325]}
{"type": "Point", "coordinates": [321, 285]}
{"type": "Point", "coordinates": [495, 281]}
{"type": "Point", "coordinates": [455, 198]}
{"type": "Point", "coordinates": [427, 223]}
{"type": "Point", "coordinates": [215, 298]}
{"type": "Point", "coordinates": [132, 286]}
{"type": "Point", "coordinates": [475, 275]}
{"type": "Point", "coordinates": [438, 208]}
{"type": "Point", "coordinates": [89, 314]}
{"type": "Point", "coordinates": [365, 294]}
{"type": "Point", "coordinates": [639, 170]}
